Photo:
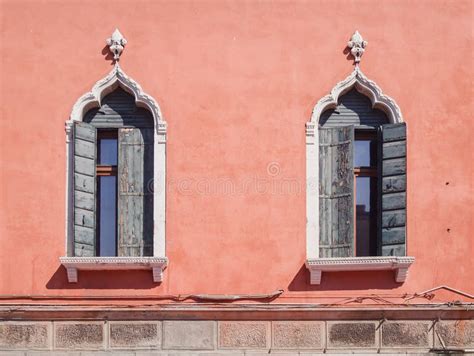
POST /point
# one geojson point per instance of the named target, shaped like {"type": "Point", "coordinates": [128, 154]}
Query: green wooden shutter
{"type": "Point", "coordinates": [135, 198]}
{"type": "Point", "coordinates": [336, 192]}
{"type": "Point", "coordinates": [84, 189]}
{"type": "Point", "coordinates": [392, 190]}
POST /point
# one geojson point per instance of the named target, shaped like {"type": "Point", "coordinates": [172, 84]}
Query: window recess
{"type": "Point", "coordinates": [356, 173]}
{"type": "Point", "coordinates": [116, 160]}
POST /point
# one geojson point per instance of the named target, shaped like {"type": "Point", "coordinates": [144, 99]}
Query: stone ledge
{"type": "Point", "coordinates": [400, 265]}
{"type": "Point", "coordinates": [75, 264]}
{"type": "Point", "coordinates": [148, 309]}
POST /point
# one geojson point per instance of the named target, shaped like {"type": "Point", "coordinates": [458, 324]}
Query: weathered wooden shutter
{"type": "Point", "coordinates": [84, 189]}
{"type": "Point", "coordinates": [392, 190]}
{"type": "Point", "coordinates": [135, 198]}
{"type": "Point", "coordinates": [336, 192]}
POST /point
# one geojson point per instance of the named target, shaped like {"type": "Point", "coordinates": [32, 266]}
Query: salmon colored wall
{"type": "Point", "coordinates": [236, 81]}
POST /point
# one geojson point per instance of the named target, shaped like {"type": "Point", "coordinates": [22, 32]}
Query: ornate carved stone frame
{"type": "Point", "coordinates": [317, 265]}
{"type": "Point", "coordinates": [118, 78]}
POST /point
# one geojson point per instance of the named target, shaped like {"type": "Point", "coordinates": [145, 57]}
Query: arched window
{"type": "Point", "coordinates": [356, 181]}
{"type": "Point", "coordinates": [116, 141]}
{"type": "Point", "coordinates": [117, 218]}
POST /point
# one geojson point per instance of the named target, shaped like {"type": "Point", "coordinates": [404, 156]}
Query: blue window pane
{"type": "Point", "coordinates": [362, 153]}
{"type": "Point", "coordinates": [108, 151]}
{"type": "Point", "coordinates": [108, 215]}
{"type": "Point", "coordinates": [363, 216]}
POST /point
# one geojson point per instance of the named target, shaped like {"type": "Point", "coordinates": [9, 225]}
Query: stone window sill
{"type": "Point", "coordinates": [75, 264]}
{"type": "Point", "coordinates": [400, 265]}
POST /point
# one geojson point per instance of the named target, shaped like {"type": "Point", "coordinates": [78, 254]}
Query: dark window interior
{"type": "Point", "coordinates": [107, 192]}
{"type": "Point", "coordinates": [365, 178]}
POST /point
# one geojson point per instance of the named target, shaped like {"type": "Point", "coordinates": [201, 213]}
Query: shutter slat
{"type": "Point", "coordinates": [84, 200]}
{"type": "Point", "coordinates": [393, 218]}
{"type": "Point", "coordinates": [84, 235]}
{"type": "Point", "coordinates": [84, 217]}
{"type": "Point", "coordinates": [84, 183]}
{"type": "Point", "coordinates": [394, 149]}
{"type": "Point", "coordinates": [83, 250]}
{"type": "Point", "coordinates": [394, 184]}
{"type": "Point", "coordinates": [394, 235]}
{"type": "Point", "coordinates": [84, 148]}
{"type": "Point", "coordinates": [392, 190]}
{"type": "Point", "coordinates": [85, 132]}
{"type": "Point", "coordinates": [395, 166]}
{"type": "Point", "coordinates": [393, 250]}
{"type": "Point", "coordinates": [84, 189]}
{"type": "Point", "coordinates": [84, 165]}
{"type": "Point", "coordinates": [393, 201]}
{"type": "Point", "coordinates": [135, 204]}
{"type": "Point", "coordinates": [336, 198]}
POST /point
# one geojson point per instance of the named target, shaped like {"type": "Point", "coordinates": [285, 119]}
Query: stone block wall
{"type": "Point", "coordinates": [190, 337]}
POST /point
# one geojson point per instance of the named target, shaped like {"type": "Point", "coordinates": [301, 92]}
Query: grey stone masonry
{"type": "Point", "coordinates": [352, 334]}
{"type": "Point", "coordinates": [25, 335]}
{"type": "Point", "coordinates": [298, 334]}
{"type": "Point", "coordinates": [135, 335]}
{"type": "Point", "coordinates": [189, 335]}
{"type": "Point", "coordinates": [456, 333]}
{"type": "Point", "coordinates": [407, 334]}
{"type": "Point", "coordinates": [79, 335]}
{"type": "Point", "coordinates": [244, 334]}
{"type": "Point", "coordinates": [227, 338]}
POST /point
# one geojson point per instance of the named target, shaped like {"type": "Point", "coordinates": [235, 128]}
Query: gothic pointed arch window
{"type": "Point", "coordinates": [356, 179]}
{"type": "Point", "coordinates": [116, 148]}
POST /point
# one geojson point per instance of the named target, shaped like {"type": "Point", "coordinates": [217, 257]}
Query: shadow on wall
{"type": "Point", "coordinates": [108, 56]}
{"type": "Point", "coordinates": [103, 280]}
{"type": "Point", "coordinates": [362, 280]}
{"type": "Point", "coordinates": [333, 281]}
{"type": "Point", "coordinates": [347, 52]}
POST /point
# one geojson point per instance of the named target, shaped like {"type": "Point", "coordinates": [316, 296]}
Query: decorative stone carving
{"type": "Point", "coordinates": [357, 46]}
{"type": "Point", "coordinates": [399, 264]}
{"type": "Point", "coordinates": [92, 99]}
{"type": "Point", "coordinates": [369, 88]}
{"type": "Point", "coordinates": [365, 86]}
{"type": "Point", "coordinates": [116, 44]}
{"type": "Point", "coordinates": [74, 264]}
{"type": "Point", "coordinates": [115, 78]}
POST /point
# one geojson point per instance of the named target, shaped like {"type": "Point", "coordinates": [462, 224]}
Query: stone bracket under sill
{"type": "Point", "coordinates": [75, 264]}
{"type": "Point", "coordinates": [399, 265]}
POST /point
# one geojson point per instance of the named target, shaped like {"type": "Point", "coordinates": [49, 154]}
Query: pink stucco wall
{"type": "Point", "coordinates": [236, 82]}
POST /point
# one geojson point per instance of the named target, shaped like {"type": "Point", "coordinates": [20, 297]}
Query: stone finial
{"type": "Point", "coordinates": [116, 44]}
{"type": "Point", "coordinates": [357, 46]}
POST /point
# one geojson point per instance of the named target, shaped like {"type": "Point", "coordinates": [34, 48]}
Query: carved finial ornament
{"type": "Point", "coordinates": [116, 44]}
{"type": "Point", "coordinates": [357, 46]}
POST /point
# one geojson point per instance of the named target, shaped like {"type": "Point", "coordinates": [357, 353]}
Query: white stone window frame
{"type": "Point", "coordinates": [314, 263]}
{"type": "Point", "coordinates": [93, 99]}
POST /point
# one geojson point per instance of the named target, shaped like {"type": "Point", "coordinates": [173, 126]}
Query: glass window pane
{"type": "Point", "coordinates": [362, 153]}
{"type": "Point", "coordinates": [107, 214]}
{"type": "Point", "coordinates": [108, 151]}
{"type": "Point", "coordinates": [363, 216]}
